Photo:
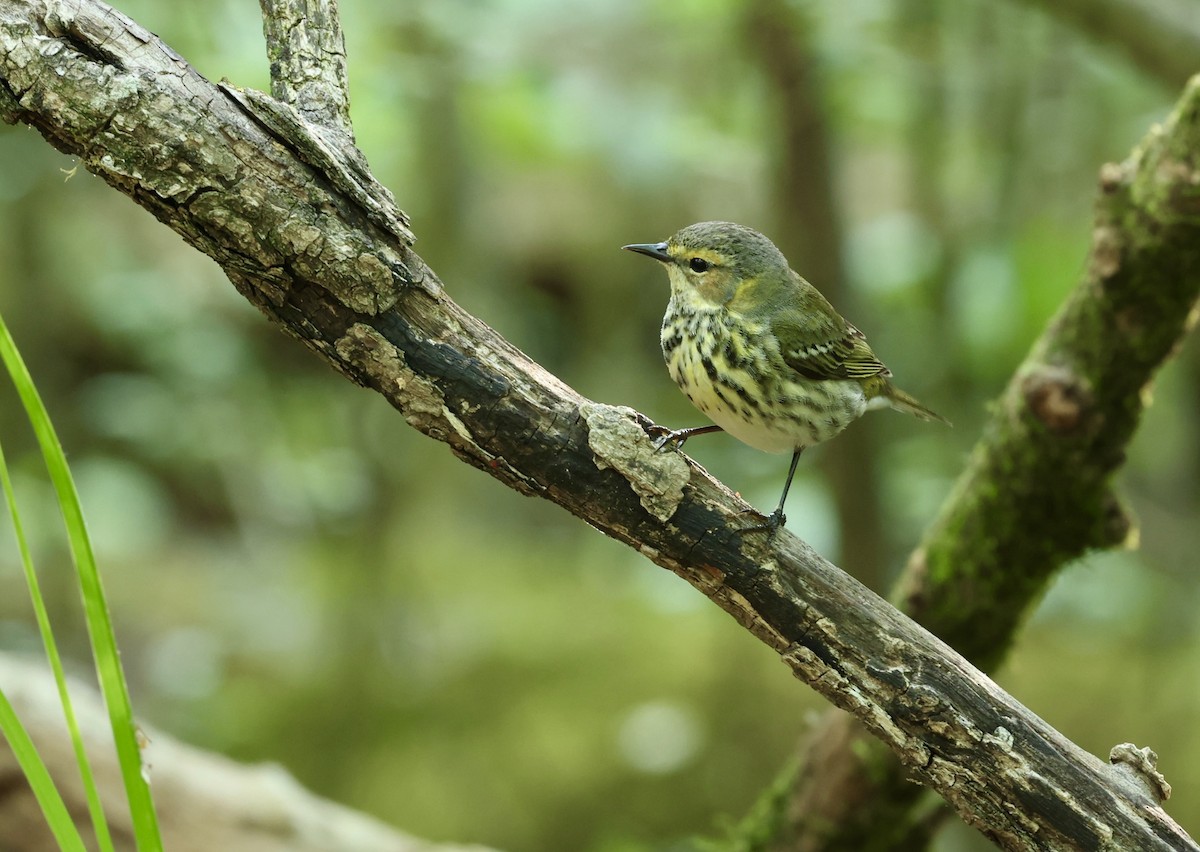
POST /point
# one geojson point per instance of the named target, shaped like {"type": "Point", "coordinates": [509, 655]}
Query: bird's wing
{"type": "Point", "coordinates": [818, 343]}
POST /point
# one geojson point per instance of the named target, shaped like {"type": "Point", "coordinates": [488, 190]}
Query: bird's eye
{"type": "Point", "coordinates": [699, 264]}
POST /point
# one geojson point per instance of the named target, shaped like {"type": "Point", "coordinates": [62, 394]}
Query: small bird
{"type": "Point", "coordinates": [760, 351]}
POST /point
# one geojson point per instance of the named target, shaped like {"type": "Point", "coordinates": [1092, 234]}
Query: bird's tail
{"type": "Point", "coordinates": [901, 401]}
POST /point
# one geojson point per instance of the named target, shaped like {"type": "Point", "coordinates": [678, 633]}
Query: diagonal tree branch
{"type": "Point", "coordinates": [297, 239]}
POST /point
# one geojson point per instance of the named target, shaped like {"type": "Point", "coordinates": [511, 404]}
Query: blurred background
{"type": "Point", "coordinates": [299, 577]}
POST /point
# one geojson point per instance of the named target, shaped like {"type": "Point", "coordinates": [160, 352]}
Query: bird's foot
{"type": "Point", "coordinates": [673, 437]}
{"type": "Point", "coordinates": [678, 436]}
{"type": "Point", "coordinates": [770, 525]}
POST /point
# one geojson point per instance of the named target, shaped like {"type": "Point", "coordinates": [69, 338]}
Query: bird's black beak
{"type": "Point", "coordinates": [658, 251]}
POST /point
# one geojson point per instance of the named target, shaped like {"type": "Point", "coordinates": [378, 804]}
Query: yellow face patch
{"type": "Point", "coordinates": [700, 272]}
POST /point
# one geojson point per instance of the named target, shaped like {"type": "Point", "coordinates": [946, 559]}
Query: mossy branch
{"type": "Point", "coordinates": [1037, 489]}
{"type": "Point", "coordinates": [305, 235]}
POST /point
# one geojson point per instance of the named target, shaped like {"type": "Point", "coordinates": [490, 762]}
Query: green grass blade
{"type": "Point", "coordinates": [100, 630]}
{"type": "Point", "coordinates": [39, 779]}
{"type": "Point", "coordinates": [95, 807]}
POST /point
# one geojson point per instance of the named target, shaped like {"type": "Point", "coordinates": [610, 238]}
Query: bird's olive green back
{"type": "Point", "coordinates": [814, 339]}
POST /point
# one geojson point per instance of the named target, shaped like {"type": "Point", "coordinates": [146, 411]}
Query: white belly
{"type": "Point", "coordinates": [779, 414]}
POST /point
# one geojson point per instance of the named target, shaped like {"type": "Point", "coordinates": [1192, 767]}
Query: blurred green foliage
{"type": "Point", "coordinates": [297, 576]}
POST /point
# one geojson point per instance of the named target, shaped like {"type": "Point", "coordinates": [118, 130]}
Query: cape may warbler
{"type": "Point", "coordinates": [760, 351]}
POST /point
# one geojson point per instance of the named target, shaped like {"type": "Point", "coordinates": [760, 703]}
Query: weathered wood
{"type": "Point", "coordinates": [301, 244]}
{"type": "Point", "coordinates": [307, 53]}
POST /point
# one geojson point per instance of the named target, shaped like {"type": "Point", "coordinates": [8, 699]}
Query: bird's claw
{"type": "Point", "coordinates": [666, 436]}
{"type": "Point", "coordinates": [770, 525]}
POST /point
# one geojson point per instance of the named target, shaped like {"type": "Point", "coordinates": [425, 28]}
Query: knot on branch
{"type": "Point", "coordinates": [1141, 765]}
{"type": "Point", "coordinates": [1112, 175]}
{"type": "Point", "coordinates": [1058, 398]}
{"type": "Point", "coordinates": [1106, 245]}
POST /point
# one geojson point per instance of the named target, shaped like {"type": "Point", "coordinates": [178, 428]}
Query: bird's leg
{"type": "Point", "coordinates": [777, 519]}
{"type": "Point", "coordinates": [678, 436]}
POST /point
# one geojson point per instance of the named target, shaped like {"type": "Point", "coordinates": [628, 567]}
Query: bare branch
{"type": "Point", "coordinates": [306, 252]}
{"type": "Point", "coordinates": [308, 60]}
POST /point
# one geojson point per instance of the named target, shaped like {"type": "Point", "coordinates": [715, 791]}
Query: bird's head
{"type": "Point", "coordinates": [716, 262]}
